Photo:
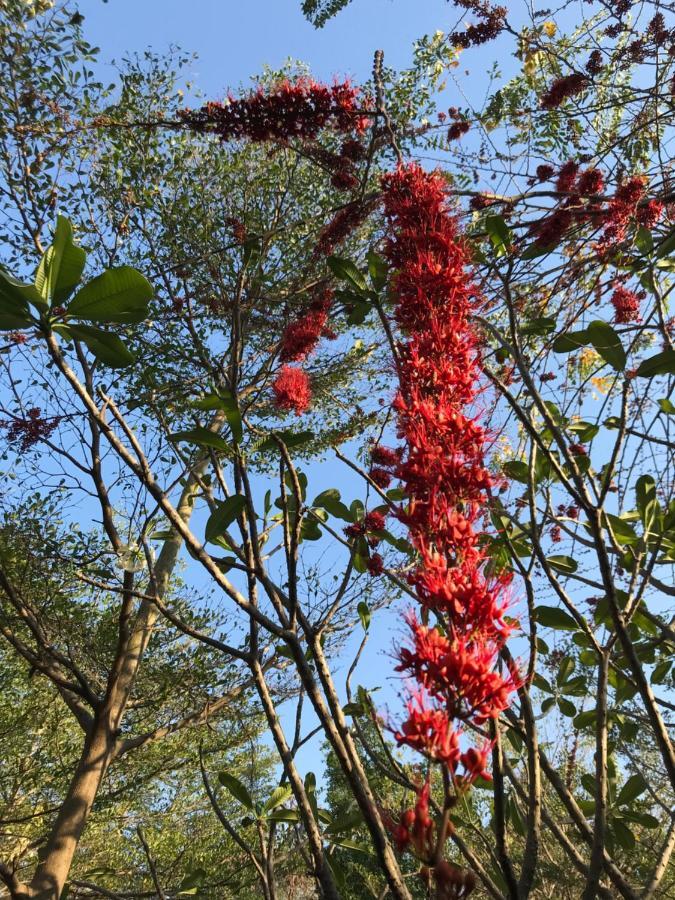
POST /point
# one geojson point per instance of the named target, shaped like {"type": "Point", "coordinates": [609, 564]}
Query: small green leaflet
{"type": "Point", "coordinates": [554, 617]}
{"type": "Point", "coordinates": [563, 564]}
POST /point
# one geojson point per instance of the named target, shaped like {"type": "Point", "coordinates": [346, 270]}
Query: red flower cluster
{"type": "Point", "coordinates": [582, 205]}
{"type": "Point", "coordinates": [562, 89]}
{"type": "Point", "coordinates": [626, 305]}
{"type": "Point", "coordinates": [301, 336]}
{"type": "Point", "coordinates": [345, 221]}
{"type": "Point", "coordinates": [492, 20]}
{"type": "Point", "coordinates": [291, 109]}
{"type": "Point", "coordinates": [457, 129]}
{"type": "Point", "coordinates": [292, 389]}
{"type": "Point", "coordinates": [26, 432]}
{"type": "Point", "coordinates": [443, 471]}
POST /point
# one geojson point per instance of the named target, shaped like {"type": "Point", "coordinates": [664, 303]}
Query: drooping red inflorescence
{"type": "Point", "coordinates": [292, 389]}
{"type": "Point", "coordinates": [301, 336]}
{"type": "Point", "coordinates": [290, 109]}
{"type": "Point", "coordinates": [444, 476]}
{"type": "Point", "coordinates": [562, 89]}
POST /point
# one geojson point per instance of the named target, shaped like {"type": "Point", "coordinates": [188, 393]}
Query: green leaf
{"type": "Point", "coordinates": [564, 564]}
{"type": "Point", "coordinates": [585, 431]}
{"type": "Point", "coordinates": [623, 835]}
{"type": "Point", "coordinates": [585, 719]}
{"type": "Point", "coordinates": [377, 269]}
{"type": "Point", "coordinates": [667, 406]}
{"type": "Point", "coordinates": [290, 439]}
{"type": "Point", "coordinates": [517, 470]}
{"type": "Point", "coordinates": [644, 241]}
{"type": "Point", "coordinates": [573, 340]}
{"type": "Point", "coordinates": [106, 347]}
{"type": "Point", "coordinates": [61, 266]}
{"type": "Point", "coordinates": [229, 406]}
{"type": "Point", "coordinates": [553, 617]}
{"type": "Point", "coordinates": [647, 504]}
{"type": "Point", "coordinates": [236, 788]}
{"type": "Point", "coordinates": [278, 796]}
{"type": "Point", "coordinates": [567, 708]}
{"type": "Point", "coordinates": [203, 437]}
{"type": "Point", "coordinates": [536, 250]}
{"type": "Point", "coordinates": [499, 234]}
{"type": "Point", "coordinates": [330, 501]}
{"type": "Point", "coordinates": [632, 789]}
{"type": "Point", "coordinates": [666, 246]}
{"type": "Point", "coordinates": [223, 516]}
{"type": "Point", "coordinates": [349, 844]}
{"type": "Point", "coordinates": [661, 364]}
{"type": "Point", "coordinates": [364, 614]}
{"type": "Point", "coordinates": [14, 299]}
{"type": "Point", "coordinates": [623, 531]}
{"type": "Point", "coordinates": [607, 344]}
{"type": "Point", "coordinates": [345, 270]}
{"type": "Point", "coordinates": [117, 295]}
{"type": "Point", "coordinates": [540, 326]}
{"type": "Point", "coordinates": [284, 815]}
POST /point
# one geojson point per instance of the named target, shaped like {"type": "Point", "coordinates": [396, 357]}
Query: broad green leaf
{"type": "Point", "coordinates": [553, 617]}
{"type": "Point", "coordinates": [572, 340]}
{"type": "Point", "coordinates": [14, 299]}
{"type": "Point", "coordinates": [377, 269]}
{"type": "Point", "coordinates": [661, 364]}
{"type": "Point", "coordinates": [117, 295]}
{"type": "Point", "coordinates": [567, 708]}
{"type": "Point", "coordinates": [642, 818]}
{"type": "Point", "coordinates": [290, 439]}
{"type": "Point", "coordinates": [364, 614]}
{"type": "Point", "coordinates": [106, 347]}
{"type": "Point", "coordinates": [540, 326]}
{"type": "Point", "coordinates": [647, 504]}
{"type": "Point", "coordinates": [331, 502]}
{"type": "Point", "coordinates": [666, 246]}
{"type": "Point", "coordinates": [284, 815]}
{"type": "Point", "coordinates": [229, 406]}
{"type": "Point", "coordinates": [643, 240]}
{"type": "Point", "coordinates": [61, 266]}
{"type": "Point", "coordinates": [632, 789]}
{"type": "Point", "coordinates": [223, 516]}
{"type": "Point", "coordinates": [585, 431]}
{"type": "Point", "coordinates": [622, 833]}
{"type": "Point", "coordinates": [667, 406]}
{"type": "Point", "coordinates": [623, 531]}
{"type": "Point", "coordinates": [278, 796]}
{"type": "Point", "coordinates": [203, 437]}
{"type": "Point", "coordinates": [564, 564]}
{"type": "Point", "coordinates": [347, 822]}
{"type": "Point", "coordinates": [499, 233]}
{"type": "Point", "coordinates": [236, 788]}
{"type": "Point", "coordinates": [607, 344]}
{"type": "Point", "coordinates": [517, 470]}
{"type": "Point", "coordinates": [536, 250]}
{"type": "Point", "coordinates": [585, 719]}
{"type": "Point", "coordinates": [345, 270]}
{"type": "Point", "coordinates": [349, 844]}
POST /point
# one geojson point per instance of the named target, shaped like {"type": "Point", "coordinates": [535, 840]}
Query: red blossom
{"type": "Point", "coordinates": [380, 476]}
{"type": "Point", "coordinates": [301, 336]}
{"type": "Point", "coordinates": [29, 430]}
{"type": "Point", "coordinates": [292, 389]}
{"type": "Point", "coordinates": [626, 305]}
{"type": "Point", "coordinates": [289, 109]}
{"type": "Point", "coordinates": [375, 564]}
{"type": "Point", "coordinates": [545, 172]}
{"type": "Point", "coordinates": [457, 129]}
{"type": "Point", "coordinates": [562, 89]}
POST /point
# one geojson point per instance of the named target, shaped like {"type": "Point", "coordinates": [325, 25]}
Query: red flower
{"type": "Point", "coordinates": [28, 431]}
{"type": "Point", "coordinates": [375, 564]}
{"type": "Point", "coordinates": [545, 172]}
{"type": "Point", "coordinates": [292, 389]}
{"type": "Point", "coordinates": [380, 476]}
{"type": "Point", "coordinates": [289, 109]}
{"type": "Point", "coordinates": [562, 89]}
{"type": "Point", "coordinates": [457, 129]}
{"type": "Point", "coordinates": [626, 305]}
{"type": "Point", "coordinates": [301, 336]}
{"type": "Point", "coordinates": [374, 521]}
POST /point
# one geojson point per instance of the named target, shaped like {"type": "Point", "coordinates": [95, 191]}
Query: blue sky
{"type": "Point", "coordinates": [235, 39]}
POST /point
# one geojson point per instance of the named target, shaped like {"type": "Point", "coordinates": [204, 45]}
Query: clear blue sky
{"type": "Point", "coordinates": [235, 38]}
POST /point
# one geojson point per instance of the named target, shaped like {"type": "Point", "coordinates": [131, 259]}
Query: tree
{"type": "Point", "coordinates": [181, 422]}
